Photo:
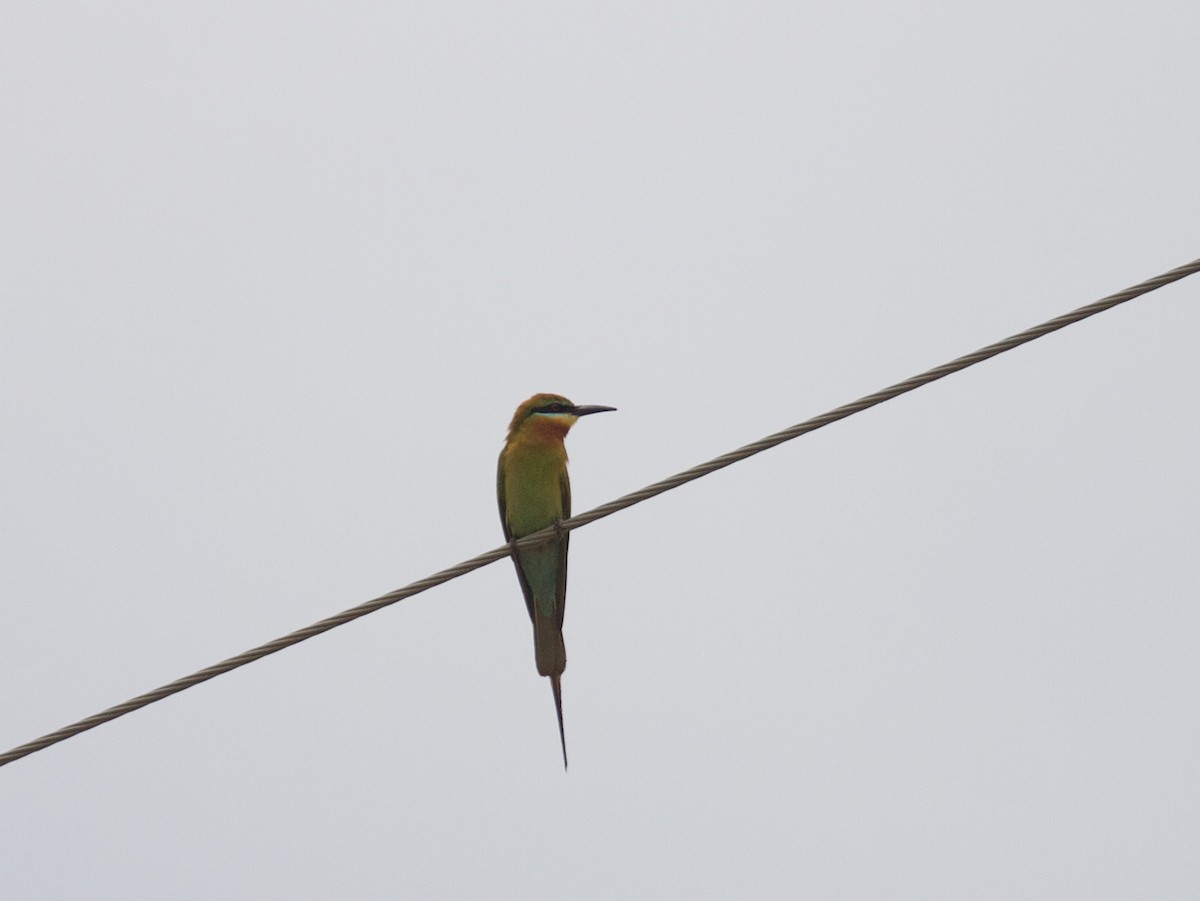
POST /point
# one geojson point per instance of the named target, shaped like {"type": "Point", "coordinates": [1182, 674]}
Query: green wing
{"type": "Point", "coordinates": [564, 486]}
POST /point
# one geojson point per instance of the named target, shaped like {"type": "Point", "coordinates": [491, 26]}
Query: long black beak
{"type": "Point", "coordinates": [584, 411]}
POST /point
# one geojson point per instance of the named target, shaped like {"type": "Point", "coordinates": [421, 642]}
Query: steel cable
{"type": "Point", "coordinates": [628, 500]}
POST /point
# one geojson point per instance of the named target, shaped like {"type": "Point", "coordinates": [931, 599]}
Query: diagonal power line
{"type": "Point", "coordinates": [628, 500]}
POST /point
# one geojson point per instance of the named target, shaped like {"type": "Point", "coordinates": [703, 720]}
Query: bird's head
{"type": "Point", "coordinates": [551, 412]}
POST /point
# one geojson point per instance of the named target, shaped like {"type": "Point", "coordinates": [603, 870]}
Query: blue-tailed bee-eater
{"type": "Point", "coordinates": [534, 492]}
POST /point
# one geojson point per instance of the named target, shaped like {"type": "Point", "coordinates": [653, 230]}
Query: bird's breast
{"type": "Point", "coordinates": [533, 487]}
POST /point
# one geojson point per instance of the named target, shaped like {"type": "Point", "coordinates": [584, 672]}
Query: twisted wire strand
{"type": "Point", "coordinates": [607, 509]}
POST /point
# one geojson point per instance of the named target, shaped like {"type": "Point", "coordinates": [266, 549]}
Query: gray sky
{"type": "Point", "coordinates": [274, 277]}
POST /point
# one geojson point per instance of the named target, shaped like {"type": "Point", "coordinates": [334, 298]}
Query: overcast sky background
{"type": "Point", "coordinates": [274, 277]}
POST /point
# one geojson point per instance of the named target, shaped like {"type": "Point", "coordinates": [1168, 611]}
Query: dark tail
{"type": "Point", "coordinates": [562, 735]}
{"type": "Point", "coordinates": [548, 646]}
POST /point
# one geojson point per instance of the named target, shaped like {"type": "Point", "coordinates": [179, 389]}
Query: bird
{"type": "Point", "coordinates": [534, 492]}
